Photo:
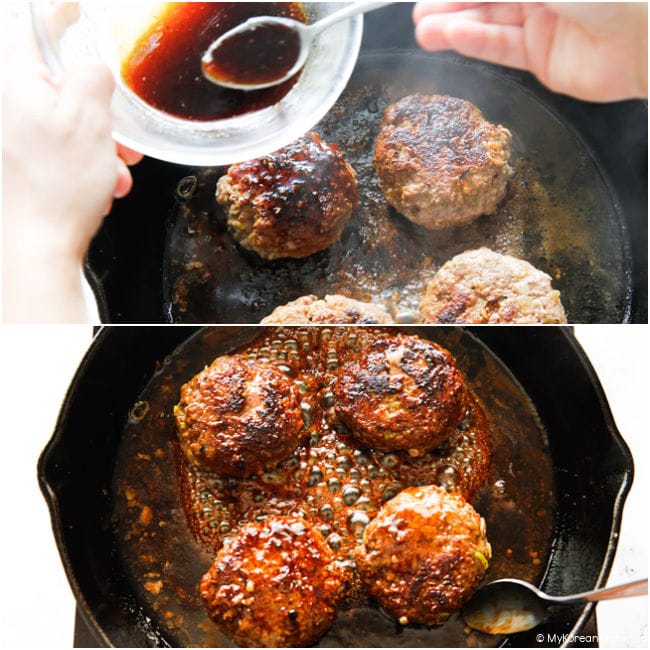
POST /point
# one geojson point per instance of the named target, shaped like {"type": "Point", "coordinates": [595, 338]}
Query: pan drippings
{"type": "Point", "coordinates": [165, 561]}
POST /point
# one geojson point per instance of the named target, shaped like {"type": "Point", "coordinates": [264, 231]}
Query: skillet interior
{"type": "Point", "coordinates": [597, 152]}
{"type": "Point", "coordinates": [78, 466]}
{"type": "Point", "coordinates": [558, 214]}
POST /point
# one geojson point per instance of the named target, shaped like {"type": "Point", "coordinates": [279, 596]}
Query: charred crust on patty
{"type": "Point", "coordinates": [439, 162]}
{"type": "Point", "coordinates": [239, 417]}
{"type": "Point", "coordinates": [290, 203]}
{"type": "Point", "coordinates": [405, 393]}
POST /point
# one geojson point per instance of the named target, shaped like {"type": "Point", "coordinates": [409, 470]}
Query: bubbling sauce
{"type": "Point", "coordinates": [334, 481]}
{"type": "Point", "coordinates": [164, 560]}
{"type": "Point", "coordinates": [164, 66]}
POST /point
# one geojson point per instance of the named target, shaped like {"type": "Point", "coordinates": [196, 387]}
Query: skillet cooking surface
{"type": "Point", "coordinates": [165, 564]}
{"type": "Point", "coordinates": [558, 214]}
{"type": "Point", "coordinates": [80, 472]}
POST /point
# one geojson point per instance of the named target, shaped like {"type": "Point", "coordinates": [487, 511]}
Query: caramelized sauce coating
{"type": "Point", "coordinates": [276, 584]}
{"type": "Point", "coordinates": [291, 203]}
{"type": "Point", "coordinates": [239, 417]}
{"type": "Point", "coordinates": [423, 555]}
{"type": "Point", "coordinates": [403, 393]}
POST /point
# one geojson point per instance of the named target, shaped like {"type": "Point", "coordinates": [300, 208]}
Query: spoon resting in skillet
{"type": "Point", "coordinates": [511, 606]}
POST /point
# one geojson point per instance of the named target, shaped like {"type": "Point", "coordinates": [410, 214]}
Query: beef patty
{"type": "Point", "coordinates": [482, 286]}
{"type": "Point", "coordinates": [291, 203]}
{"type": "Point", "coordinates": [275, 585]}
{"type": "Point", "coordinates": [333, 309]}
{"type": "Point", "coordinates": [239, 417]}
{"type": "Point", "coordinates": [404, 393]}
{"type": "Point", "coordinates": [439, 162]}
{"type": "Point", "coordinates": [423, 555]}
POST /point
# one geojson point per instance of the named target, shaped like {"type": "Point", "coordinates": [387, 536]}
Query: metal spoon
{"type": "Point", "coordinates": [242, 58]}
{"type": "Point", "coordinates": [510, 606]}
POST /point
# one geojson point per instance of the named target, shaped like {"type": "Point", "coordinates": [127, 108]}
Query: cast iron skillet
{"type": "Point", "coordinates": [592, 468]}
{"type": "Point", "coordinates": [126, 263]}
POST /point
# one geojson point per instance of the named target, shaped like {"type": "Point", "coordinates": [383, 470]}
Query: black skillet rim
{"type": "Point", "coordinates": [484, 334]}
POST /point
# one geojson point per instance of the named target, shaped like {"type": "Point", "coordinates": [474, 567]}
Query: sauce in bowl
{"type": "Point", "coordinates": [164, 67]}
{"type": "Point", "coordinates": [263, 54]}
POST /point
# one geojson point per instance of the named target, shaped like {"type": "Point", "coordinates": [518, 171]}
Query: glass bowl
{"type": "Point", "coordinates": [70, 32]}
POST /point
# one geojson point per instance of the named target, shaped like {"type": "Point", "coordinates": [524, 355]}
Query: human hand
{"type": "Point", "coordinates": [592, 51]}
{"type": "Point", "coordinates": [61, 167]}
{"type": "Point", "coordinates": [61, 171]}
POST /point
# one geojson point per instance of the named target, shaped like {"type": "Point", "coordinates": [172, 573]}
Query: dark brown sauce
{"type": "Point", "coordinates": [260, 55]}
{"type": "Point", "coordinates": [164, 67]}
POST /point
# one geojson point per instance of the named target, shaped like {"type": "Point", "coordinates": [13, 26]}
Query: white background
{"type": "Point", "coordinates": [37, 363]}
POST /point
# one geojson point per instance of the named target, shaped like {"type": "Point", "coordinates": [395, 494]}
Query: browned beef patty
{"type": "Point", "coordinates": [333, 309]}
{"type": "Point", "coordinates": [403, 393]}
{"type": "Point", "coordinates": [239, 417]}
{"type": "Point", "coordinates": [423, 555]}
{"type": "Point", "coordinates": [482, 286]}
{"type": "Point", "coordinates": [439, 162]}
{"type": "Point", "coordinates": [291, 203]}
{"type": "Point", "coordinates": [276, 584]}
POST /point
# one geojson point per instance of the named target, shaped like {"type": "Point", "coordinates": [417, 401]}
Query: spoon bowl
{"type": "Point", "coordinates": [265, 51]}
{"type": "Point", "coordinates": [511, 606]}
{"type": "Point", "coordinates": [262, 52]}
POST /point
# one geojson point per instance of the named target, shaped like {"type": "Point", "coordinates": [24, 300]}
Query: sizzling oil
{"type": "Point", "coordinates": [165, 562]}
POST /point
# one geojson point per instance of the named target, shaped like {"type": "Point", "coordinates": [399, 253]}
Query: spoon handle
{"type": "Point", "coordinates": [351, 10]}
{"type": "Point", "coordinates": [638, 588]}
